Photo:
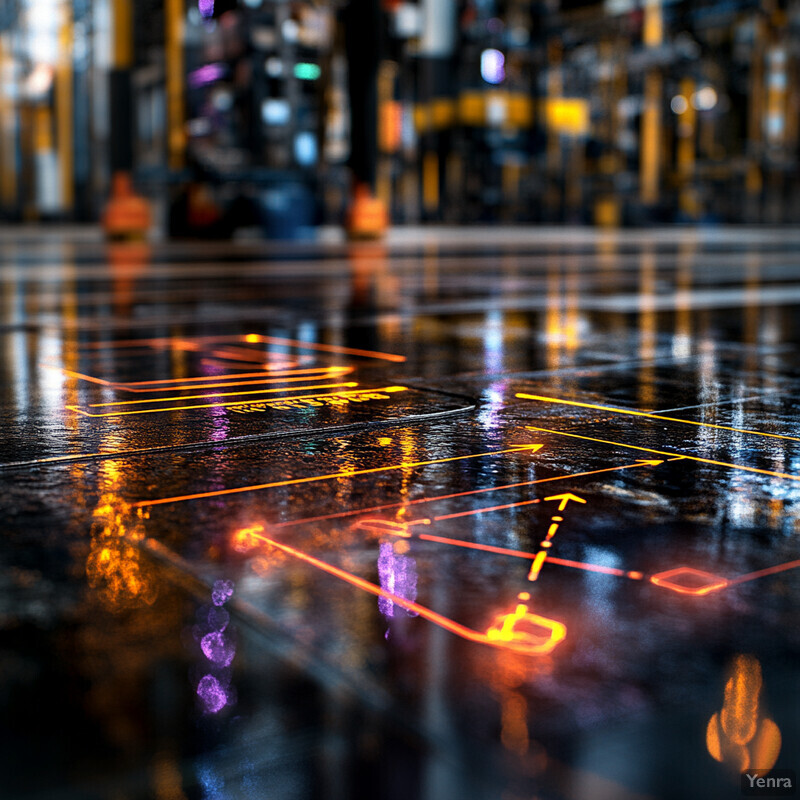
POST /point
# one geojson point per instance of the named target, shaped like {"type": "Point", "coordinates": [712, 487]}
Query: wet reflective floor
{"type": "Point", "coordinates": [471, 514]}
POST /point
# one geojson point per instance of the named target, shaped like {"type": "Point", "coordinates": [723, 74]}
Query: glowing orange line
{"type": "Point", "coordinates": [615, 410]}
{"type": "Point", "coordinates": [327, 348]}
{"type": "Point", "coordinates": [221, 394]}
{"type": "Point", "coordinates": [339, 514]}
{"type": "Point", "coordinates": [234, 403]}
{"type": "Point", "coordinates": [158, 341]}
{"type": "Point", "coordinates": [240, 354]}
{"type": "Point", "coordinates": [564, 562]}
{"type": "Point", "coordinates": [664, 453]}
{"type": "Point", "coordinates": [505, 551]}
{"type": "Point", "coordinates": [269, 367]}
{"type": "Point", "coordinates": [520, 448]}
{"type": "Point", "coordinates": [485, 510]}
{"type": "Point", "coordinates": [489, 548]}
{"type": "Point", "coordinates": [426, 613]}
{"type": "Point", "coordinates": [261, 374]}
{"type": "Point", "coordinates": [751, 576]}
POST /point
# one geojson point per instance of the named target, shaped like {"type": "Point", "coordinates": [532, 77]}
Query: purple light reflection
{"type": "Point", "coordinates": [206, 8]}
{"type": "Point", "coordinates": [206, 74]}
{"type": "Point", "coordinates": [398, 575]}
{"type": "Point", "coordinates": [218, 649]}
{"type": "Point", "coordinates": [211, 692]}
{"type": "Point", "coordinates": [221, 592]}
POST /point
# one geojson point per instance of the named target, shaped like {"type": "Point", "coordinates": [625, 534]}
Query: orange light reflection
{"type": "Point", "coordinates": [740, 734]}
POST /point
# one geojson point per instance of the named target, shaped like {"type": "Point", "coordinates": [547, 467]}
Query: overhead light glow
{"type": "Point", "coordinates": [307, 72]}
{"type": "Point", "coordinates": [679, 104]}
{"type": "Point", "coordinates": [704, 99]}
{"type": "Point", "coordinates": [493, 69]}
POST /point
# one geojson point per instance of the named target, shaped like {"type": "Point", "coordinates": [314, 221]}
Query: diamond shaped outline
{"type": "Point", "coordinates": [715, 583]}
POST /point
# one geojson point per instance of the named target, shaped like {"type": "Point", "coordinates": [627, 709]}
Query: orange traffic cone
{"type": "Point", "coordinates": [127, 215]}
{"type": "Point", "coordinates": [368, 217]}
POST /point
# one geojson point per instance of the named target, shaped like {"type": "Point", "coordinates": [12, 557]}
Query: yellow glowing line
{"type": "Point", "coordinates": [220, 394]}
{"type": "Point", "coordinates": [331, 372]}
{"type": "Point", "coordinates": [335, 475]}
{"type": "Point", "coordinates": [235, 403]}
{"type": "Point", "coordinates": [664, 453]}
{"type": "Point", "coordinates": [615, 410]}
{"type": "Point", "coordinates": [537, 564]}
{"type": "Point", "coordinates": [267, 376]}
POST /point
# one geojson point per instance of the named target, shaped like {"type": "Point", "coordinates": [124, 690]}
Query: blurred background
{"type": "Point", "coordinates": [276, 116]}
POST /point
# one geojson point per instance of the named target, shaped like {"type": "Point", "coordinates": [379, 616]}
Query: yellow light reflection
{"type": "Point", "coordinates": [114, 566]}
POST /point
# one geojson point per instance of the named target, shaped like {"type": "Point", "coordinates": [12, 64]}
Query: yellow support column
{"type": "Point", "coordinates": [64, 110]}
{"type": "Point", "coordinates": [685, 155]}
{"type": "Point", "coordinates": [176, 135]}
{"type": "Point", "coordinates": [650, 139]}
{"type": "Point", "coordinates": [8, 126]}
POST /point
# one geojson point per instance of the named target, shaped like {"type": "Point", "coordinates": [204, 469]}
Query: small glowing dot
{"type": "Point", "coordinates": [679, 104]}
{"type": "Point", "coordinates": [557, 519]}
{"type": "Point", "coordinates": [251, 337]}
{"type": "Point", "coordinates": [546, 544]}
{"type": "Point", "coordinates": [401, 546]}
{"type": "Point", "coordinates": [637, 576]}
{"type": "Point", "coordinates": [493, 66]}
{"type": "Point", "coordinates": [384, 441]}
{"type": "Point", "coordinates": [704, 99]}
{"type": "Point", "coordinates": [524, 595]}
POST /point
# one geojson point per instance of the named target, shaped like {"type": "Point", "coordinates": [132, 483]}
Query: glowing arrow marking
{"type": "Point", "coordinates": [520, 448]}
{"type": "Point", "coordinates": [629, 411]}
{"type": "Point", "coordinates": [564, 498]}
{"type": "Point", "coordinates": [665, 453]}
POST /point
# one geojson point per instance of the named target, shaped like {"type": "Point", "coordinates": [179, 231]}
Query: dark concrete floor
{"type": "Point", "coordinates": [475, 514]}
